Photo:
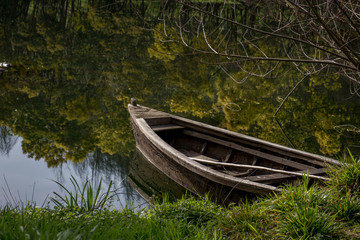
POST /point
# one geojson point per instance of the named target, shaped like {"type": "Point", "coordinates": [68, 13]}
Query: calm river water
{"type": "Point", "coordinates": [25, 180]}
{"type": "Point", "coordinates": [63, 102]}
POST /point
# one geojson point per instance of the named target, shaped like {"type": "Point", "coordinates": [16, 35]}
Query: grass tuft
{"type": "Point", "coordinates": [247, 220]}
{"type": "Point", "coordinates": [303, 194]}
{"type": "Point", "coordinates": [346, 206]}
{"type": "Point", "coordinates": [191, 210]}
{"type": "Point", "coordinates": [346, 178]}
{"type": "Point", "coordinates": [307, 222]}
{"type": "Point", "coordinates": [85, 198]}
{"type": "Point", "coordinates": [304, 213]}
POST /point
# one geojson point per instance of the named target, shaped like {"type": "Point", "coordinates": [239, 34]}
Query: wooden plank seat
{"type": "Point", "coordinates": [166, 127]}
{"type": "Point", "coordinates": [193, 154]}
{"type": "Point", "coordinates": [254, 152]}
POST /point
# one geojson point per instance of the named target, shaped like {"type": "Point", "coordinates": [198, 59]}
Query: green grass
{"type": "Point", "coordinates": [346, 178]}
{"type": "Point", "coordinates": [33, 223]}
{"type": "Point", "coordinates": [48, 224]}
{"type": "Point", "coordinates": [299, 212]}
{"type": "Point", "coordinates": [305, 213]}
{"type": "Point", "coordinates": [85, 198]}
{"type": "Point", "coordinates": [188, 209]}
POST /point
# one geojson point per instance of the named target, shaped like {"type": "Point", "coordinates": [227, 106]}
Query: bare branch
{"type": "Point", "coordinates": [274, 34]}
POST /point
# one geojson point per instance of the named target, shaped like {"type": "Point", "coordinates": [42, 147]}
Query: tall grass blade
{"type": "Point", "coordinates": [89, 198]}
{"type": "Point", "coordinates": [10, 194]}
{"type": "Point", "coordinates": [106, 198]}
{"type": "Point", "coordinates": [97, 192]}
{"type": "Point", "coordinates": [85, 198]}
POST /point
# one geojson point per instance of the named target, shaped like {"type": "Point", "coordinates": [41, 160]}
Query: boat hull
{"type": "Point", "coordinates": [194, 183]}
{"type": "Point", "coordinates": [153, 131]}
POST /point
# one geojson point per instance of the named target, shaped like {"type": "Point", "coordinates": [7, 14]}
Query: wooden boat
{"type": "Point", "coordinates": [207, 159]}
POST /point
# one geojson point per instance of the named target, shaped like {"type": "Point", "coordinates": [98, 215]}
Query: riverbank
{"type": "Point", "coordinates": [299, 212]}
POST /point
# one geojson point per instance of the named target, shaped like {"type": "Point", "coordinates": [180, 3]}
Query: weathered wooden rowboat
{"type": "Point", "coordinates": [207, 159]}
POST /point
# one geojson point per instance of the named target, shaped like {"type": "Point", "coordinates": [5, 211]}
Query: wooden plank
{"type": "Point", "coordinates": [210, 162]}
{"type": "Point", "coordinates": [255, 142]}
{"type": "Point", "coordinates": [277, 176]}
{"type": "Point", "coordinates": [143, 112]}
{"type": "Point", "coordinates": [239, 174]}
{"type": "Point", "coordinates": [193, 154]}
{"type": "Point", "coordinates": [166, 127]}
{"type": "Point", "coordinates": [158, 120]}
{"type": "Point", "coordinates": [257, 153]}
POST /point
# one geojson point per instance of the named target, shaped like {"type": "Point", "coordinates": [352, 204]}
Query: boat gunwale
{"type": "Point", "coordinates": [227, 133]}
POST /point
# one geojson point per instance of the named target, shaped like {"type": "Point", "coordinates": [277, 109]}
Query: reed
{"type": "Point", "coordinates": [84, 198]}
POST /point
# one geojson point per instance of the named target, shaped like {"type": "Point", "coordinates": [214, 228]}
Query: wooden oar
{"type": "Point", "coordinates": [257, 167]}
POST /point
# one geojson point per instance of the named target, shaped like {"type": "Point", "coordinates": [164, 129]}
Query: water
{"type": "Point", "coordinates": [24, 177]}
{"type": "Point", "coordinates": [65, 96]}
{"type": "Point", "coordinates": [24, 180]}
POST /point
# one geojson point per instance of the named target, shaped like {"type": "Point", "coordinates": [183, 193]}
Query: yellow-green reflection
{"type": "Point", "coordinates": [68, 90]}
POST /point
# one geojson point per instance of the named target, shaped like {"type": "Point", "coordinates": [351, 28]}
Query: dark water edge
{"type": "Point", "coordinates": [150, 182]}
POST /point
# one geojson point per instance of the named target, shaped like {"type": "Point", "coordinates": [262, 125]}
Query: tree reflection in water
{"type": "Point", "coordinates": [76, 66]}
{"type": "Point", "coordinates": [7, 140]}
{"type": "Point", "coordinates": [108, 168]}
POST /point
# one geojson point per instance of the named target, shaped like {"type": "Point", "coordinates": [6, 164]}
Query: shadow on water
{"type": "Point", "coordinates": [151, 183]}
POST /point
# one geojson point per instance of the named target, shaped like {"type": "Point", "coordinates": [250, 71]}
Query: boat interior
{"type": "Point", "coordinates": [235, 156]}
